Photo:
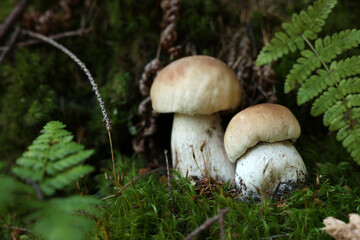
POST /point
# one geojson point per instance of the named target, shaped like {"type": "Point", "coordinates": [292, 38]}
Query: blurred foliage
{"type": "Point", "coordinates": [48, 167]}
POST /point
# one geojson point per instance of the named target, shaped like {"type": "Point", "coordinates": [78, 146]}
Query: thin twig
{"type": "Point", "coordinates": [11, 19]}
{"type": "Point", "coordinates": [278, 236]}
{"type": "Point", "coordinates": [17, 228]}
{"type": "Point", "coordinates": [79, 32]}
{"type": "Point", "coordinates": [132, 181]}
{"type": "Point", "coordinates": [169, 180]}
{"type": "Point", "coordinates": [10, 44]}
{"type": "Point", "coordinates": [208, 223]}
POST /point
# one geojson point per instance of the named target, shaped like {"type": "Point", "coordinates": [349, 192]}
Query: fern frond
{"type": "Point", "coordinates": [9, 188]}
{"type": "Point", "coordinates": [334, 112]}
{"type": "Point", "coordinates": [352, 143]}
{"type": "Point", "coordinates": [63, 179]}
{"type": "Point", "coordinates": [308, 23]}
{"type": "Point", "coordinates": [329, 97]}
{"type": "Point", "coordinates": [68, 218]}
{"type": "Point", "coordinates": [346, 68]}
{"type": "Point", "coordinates": [68, 162]}
{"type": "Point", "coordinates": [336, 89]}
{"type": "Point", "coordinates": [327, 49]}
{"type": "Point", "coordinates": [344, 116]}
{"type": "Point", "coordinates": [53, 160]}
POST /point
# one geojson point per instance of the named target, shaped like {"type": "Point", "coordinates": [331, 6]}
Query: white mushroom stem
{"type": "Point", "coordinates": [269, 169]}
{"type": "Point", "coordinates": [197, 147]}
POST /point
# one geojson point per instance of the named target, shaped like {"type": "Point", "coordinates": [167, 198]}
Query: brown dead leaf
{"type": "Point", "coordinates": [341, 230]}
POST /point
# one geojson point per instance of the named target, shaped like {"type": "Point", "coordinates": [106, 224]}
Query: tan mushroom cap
{"type": "Point", "coordinates": [195, 85]}
{"type": "Point", "coordinates": [259, 123]}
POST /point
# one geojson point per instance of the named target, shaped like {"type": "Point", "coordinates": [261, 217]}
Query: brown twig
{"type": "Point", "coordinates": [10, 44]}
{"type": "Point", "coordinates": [11, 19]}
{"type": "Point", "coordinates": [17, 228]}
{"type": "Point", "coordinates": [208, 223]}
{"type": "Point", "coordinates": [277, 236]}
{"type": "Point", "coordinates": [79, 32]}
{"type": "Point", "coordinates": [169, 182]}
{"type": "Point", "coordinates": [132, 181]}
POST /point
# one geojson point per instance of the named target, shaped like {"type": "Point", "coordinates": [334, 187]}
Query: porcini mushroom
{"type": "Point", "coordinates": [259, 139]}
{"type": "Point", "coordinates": [196, 88]}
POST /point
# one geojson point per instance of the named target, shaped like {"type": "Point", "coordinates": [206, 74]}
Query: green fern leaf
{"type": "Point", "coordinates": [336, 94]}
{"type": "Point", "coordinates": [53, 160]}
{"type": "Point", "coordinates": [67, 162]}
{"type": "Point", "coordinates": [339, 122]}
{"type": "Point", "coordinates": [326, 100]}
{"type": "Point", "coordinates": [68, 218]}
{"type": "Point", "coordinates": [59, 181]}
{"type": "Point", "coordinates": [9, 189]}
{"type": "Point", "coordinates": [300, 71]}
{"type": "Point", "coordinates": [308, 23]}
{"type": "Point", "coordinates": [327, 49]}
{"type": "Point", "coordinates": [329, 97]}
{"type": "Point", "coordinates": [352, 142]}
{"type": "Point", "coordinates": [343, 133]}
{"type": "Point", "coordinates": [346, 68]}
{"type": "Point", "coordinates": [317, 83]}
{"type": "Point", "coordinates": [353, 100]}
{"type": "Point", "coordinates": [333, 112]}
{"type": "Point", "coordinates": [330, 47]}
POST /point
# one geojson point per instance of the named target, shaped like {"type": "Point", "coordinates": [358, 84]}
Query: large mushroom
{"type": "Point", "coordinates": [259, 139]}
{"type": "Point", "coordinates": [196, 88]}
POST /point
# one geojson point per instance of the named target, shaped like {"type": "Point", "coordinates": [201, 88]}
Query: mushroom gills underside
{"type": "Point", "coordinates": [198, 149]}
{"type": "Point", "coordinates": [269, 169]}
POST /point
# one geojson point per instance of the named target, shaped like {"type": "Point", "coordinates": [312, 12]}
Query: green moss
{"type": "Point", "coordinates": [143, 210]}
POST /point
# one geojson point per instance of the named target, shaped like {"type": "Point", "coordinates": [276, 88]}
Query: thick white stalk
{"type": "Point", "coordinates": [197, 146]}
{"type": "Point", "coordinates": [269, 169]}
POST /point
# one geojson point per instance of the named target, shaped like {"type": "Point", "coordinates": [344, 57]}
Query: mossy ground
{"type": "Point", "coordinates": [143, 210]}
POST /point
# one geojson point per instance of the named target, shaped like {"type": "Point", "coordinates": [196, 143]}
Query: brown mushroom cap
{"type": "Point", "coordinates": [195, 85]}
{"type": "Point", "coordinates": [259, 123]}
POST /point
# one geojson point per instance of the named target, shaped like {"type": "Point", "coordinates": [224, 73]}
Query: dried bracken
{"type": "Point", "coordinates": [340, 230]}
{"type": "Point", "coordinates": [45, 22]}
{"type": "Point", "coordinates": [171, 16]}
{"type": "Point", "coordinates": [146, 127]}
{"type": "Point", "coordinates": [150, 71]}
{"type": "Point", "coordinates": [258, 82]}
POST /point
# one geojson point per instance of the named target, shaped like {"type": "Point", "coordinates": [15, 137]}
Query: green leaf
{"type": "Point", "coordinates": [9, 188]}
{"type": "Point", "coordinates": [69, 218]}
{"type": "Point", "coordinates": [63, 179]}
{"type": "Point", "coordinates": [53, 161]}
{"type": "Point", "coordinates": [308, 23]}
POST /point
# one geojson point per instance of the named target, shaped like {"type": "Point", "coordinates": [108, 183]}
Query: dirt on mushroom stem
{"type": "Point", "coordinates": [198, 147]}
{"type": "Point", "coordinates": [269, 169]}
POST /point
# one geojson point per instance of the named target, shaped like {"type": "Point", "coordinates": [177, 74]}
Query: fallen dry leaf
{"type": "Point", "coordinates": [344, 231]}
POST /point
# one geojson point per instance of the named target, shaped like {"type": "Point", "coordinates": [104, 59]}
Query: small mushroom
{"type": "Point", "coordinates": [196, 88]}
{"type": "Point", "coordinates": [259, 139]}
